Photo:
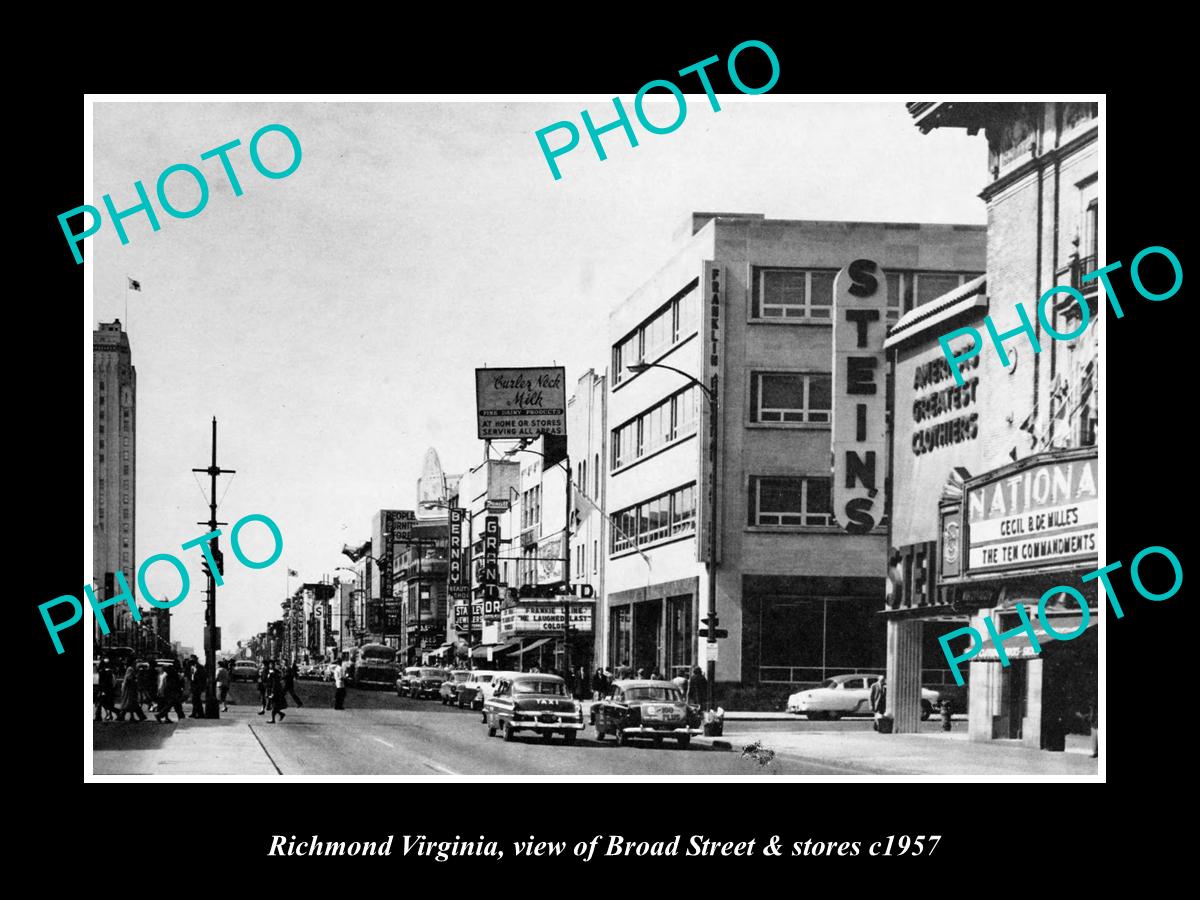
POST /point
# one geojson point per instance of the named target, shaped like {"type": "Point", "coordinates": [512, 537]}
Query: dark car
{"type": "Point", "coordinates": [652, 710]}
{"type": "Point", "coordinates": [427, 682]}
{"type": "Point", "coordinates": [405, 681]}
{"type": "Point", "coordinates": [523, 701]}
{"type": "Point", "coordinates": [244, 670]}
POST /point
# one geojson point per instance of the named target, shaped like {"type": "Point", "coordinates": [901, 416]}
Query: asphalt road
{"type": "Point", "coordinates": [381, 734]}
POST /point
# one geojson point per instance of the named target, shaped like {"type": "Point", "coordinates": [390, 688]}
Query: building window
{"type": "Point", "coordinates": [679, 636]}
{"type": "Point", "coordinates": [666, 515]}
{"type": "Point", "coordinates": [790, 398]}
{"type": "Point", "coordinates": [674, 321]}
{"type": "Point", "coordinates": [596, 476]}
{"type": "Point", "coordinates": [780, 501]}
{"type": "Point", "coordinates": [621, 637]}
{"type": "Point", "coordinates": [531, 507]}
{"type": "Point", "coordinates": [669, 420]}
{"type": "Point", "coordinates": [793, 294]}
{"type": "Point", "coordinates": [908, 290]}
{"type": "Point", "coordinates": [595, 557]}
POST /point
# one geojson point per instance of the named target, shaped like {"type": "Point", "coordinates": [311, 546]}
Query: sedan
{"type": "Point", "coordinates": [847, 695]}
{"type": "Point", "coordinates": [405, 681]}
{"type": "Point", "coordinates": [646, 709]}
{"type": "Point", "coordinates": [427, 683]}
{"type": "Point", "coordinates": [448, 692]}
{"type": "Point", "coordinates": [473, 692]}
{"type": "Point", "coordinates": [523, 701]}
{"type": "Point", "coordinates": [244, 670]}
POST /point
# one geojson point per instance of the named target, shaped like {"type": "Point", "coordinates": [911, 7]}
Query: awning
{"type": "Point", "coordinates": [1019, 646]}
{"type": "Point", "coordinates": [481, 652]}
{"type": "Point", "coordinates": [920, 319]}
{"type": "Point", "coordinates": [440, 650]}
{"type": "Point", "coordinates": [536, 644]}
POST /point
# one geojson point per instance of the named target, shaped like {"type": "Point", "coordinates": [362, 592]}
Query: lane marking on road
{"type": "Point", "coordinates": [270, 759]}
{"type": "Point", "coordinates": [438, 768]}
{"type": "Point", "coordinates": [385, 743]}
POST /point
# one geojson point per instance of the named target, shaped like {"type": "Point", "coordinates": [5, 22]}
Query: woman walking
{"type": "Point", "coordinates": [223, 685]}
{"type": "Point", "coordinates": [278, 693]}
{"type": "Point", "coordinates": [172, 696]}
{"type": "Point", "coordinates": [129, 696]}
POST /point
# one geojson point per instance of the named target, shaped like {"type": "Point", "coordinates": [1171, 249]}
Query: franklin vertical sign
{"type": "Point", "coordinates": [859, 432]}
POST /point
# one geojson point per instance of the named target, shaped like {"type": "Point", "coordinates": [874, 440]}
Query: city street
{"type": "Point", "coordinates": [382, 734]}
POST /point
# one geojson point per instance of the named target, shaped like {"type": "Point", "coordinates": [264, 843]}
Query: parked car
{"type": "Point", "coordinates": [525, 701]}
{"type": "Point", "coordinates": [448, 692]}
{"type": "Point", "coordinates": [427, 682]}
{"type": "Point", "coordinates": [473, 692]}
{"type": "Point", "coordinates": [847, 695]}
{"type": "Point", "coordinates": [404, 682]}
{"type": "Point", "coordinates": [646, 709]}
{"type": "Point", "coordinates": [244, 670]}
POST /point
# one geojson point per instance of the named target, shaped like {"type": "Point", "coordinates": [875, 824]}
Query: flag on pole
{"type": "Point", "coordinates": [133, 285]}
{"type": "Point", "coordinates": [292, 573]}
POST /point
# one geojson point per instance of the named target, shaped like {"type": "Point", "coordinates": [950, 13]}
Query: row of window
{"type": "Point", "coordinates": [772, 501]}
{"type": "Point", "coordinates": [674, 321]}
{"type": "Point", "coordinates": [666, 515]}
{"type": "Point", "coordinates": [807, 294]}
{"type": "Point", "coordinates": [531, 507]}
{"type": "Point", "coordinates": [673, 418]}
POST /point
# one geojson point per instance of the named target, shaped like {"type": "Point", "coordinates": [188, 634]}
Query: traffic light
{"type": "Point", "coordinates": [218, 558]}
{"type": "Point", "coordinates": [711, 622]}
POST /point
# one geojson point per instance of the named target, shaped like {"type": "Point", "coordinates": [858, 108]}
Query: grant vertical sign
{"type": "Point", "coordinates": [859, 433]}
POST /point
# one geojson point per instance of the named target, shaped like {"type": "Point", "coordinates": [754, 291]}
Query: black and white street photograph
{"type": "Point", "coordinates": [698, 433]}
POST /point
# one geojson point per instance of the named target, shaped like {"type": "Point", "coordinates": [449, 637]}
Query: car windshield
{"type": "Point", "coordinates": [433, 673]}
{"type": "Point", "coordinates": [554, 688]}
{"type": "Point", "coordinates": [461, 676]}
{"type": "Point", "coordinates": [483, 678]}
{"type": "Point", "coordinates": [382, 654]}
{"type": "Point", "coordinates": [652, 693]}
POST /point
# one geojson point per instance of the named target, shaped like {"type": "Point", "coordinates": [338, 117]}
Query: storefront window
{"type": "Point", "coordinates": [620, 637]}
{"type": "Point", "coordinates": [679, 635]}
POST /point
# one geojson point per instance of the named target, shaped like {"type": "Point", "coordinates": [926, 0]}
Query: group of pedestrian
{"type": "Point", "coordinates": [147, 685]}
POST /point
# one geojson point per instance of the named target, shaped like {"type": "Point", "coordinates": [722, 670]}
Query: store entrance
{"type": "Point", "coordinates": [647, 627]}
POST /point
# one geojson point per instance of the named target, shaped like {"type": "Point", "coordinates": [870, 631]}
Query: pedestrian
{"type": "Point", "coordinates": [339, 686]}
{"type": "Point", "coordinates": [199, 683]}
{"type": "Point", "coordinates": [147, 680]}
{"type": "Point", "coordinates": [597, 684]}
{"type": "Point", "coordinates": [656, 675]}
{"type": "Point", "coordinates": [697, 688]}
{"type": "Point", "coordinates": [223, 685]}
{"type": "Point", "coordinates": [172, 695]}
{"type": "Point", "coordinates": [680, 682]}
{"type": "Point", "coordinates": [106, 686]}
{"type": "Point", "coordinates": [878, 699]}
{"type": "Point", "coordinates": [264, 678]}
{"type": "Point", "coordinates": [641, 674]}
{"type": "Point", "coordinates": [289, 682]}
{"type": "Point", "coordinates": [129, 696]}
{"type": "Point", "coordinates": [278, 693]}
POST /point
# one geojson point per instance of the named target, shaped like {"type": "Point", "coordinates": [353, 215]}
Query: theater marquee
{"type": "Point", "coordinates": [1033, 513]}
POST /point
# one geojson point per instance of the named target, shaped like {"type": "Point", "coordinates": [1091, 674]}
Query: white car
{"type": "Point", "coordinates": [476, 690]}
{"type": "Point", "coordinates": [847, 695]}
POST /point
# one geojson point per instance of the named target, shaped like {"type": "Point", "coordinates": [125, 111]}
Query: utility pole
{"type": "Point", "coordinates": [211, 642]}
{"type": "Point", "coordinates": [567, 574]}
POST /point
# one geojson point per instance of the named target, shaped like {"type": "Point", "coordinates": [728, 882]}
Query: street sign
{"type": "Point", "coordinates": [498, 505]}
{"type": "Point", "coordinates": [720, 632]}
{"type": "Point", "coordinates": [710, 652]}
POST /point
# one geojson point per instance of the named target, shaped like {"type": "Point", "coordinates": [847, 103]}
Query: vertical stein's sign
{"type": "Point", "coordinates": [859, 432]}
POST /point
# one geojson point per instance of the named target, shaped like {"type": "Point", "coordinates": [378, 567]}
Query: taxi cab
{"type": "Point", "coordinates": [528, 701]}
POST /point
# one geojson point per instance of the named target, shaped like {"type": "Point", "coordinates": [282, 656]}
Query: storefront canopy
{"type": "Point", "coordinates": [1020, 647]}
{"type": "Point", "coordinates": [536, 644]}
{"type": "Point", "coordinates": [481, 652]}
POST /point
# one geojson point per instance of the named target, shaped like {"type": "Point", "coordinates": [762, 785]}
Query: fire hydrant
{"type": "Point", "coordinates": [947, 709]}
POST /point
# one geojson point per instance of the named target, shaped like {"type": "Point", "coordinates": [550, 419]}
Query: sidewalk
{"type": "Point", "coordinates": [224, 746]}
{"type": "Point", "coordinates": [933, 753]}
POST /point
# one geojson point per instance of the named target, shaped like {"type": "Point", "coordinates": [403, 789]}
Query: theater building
{"type": "Point", "coordinates": [743, 304]}
{"type": "Point", "coordinates": [995, 490]}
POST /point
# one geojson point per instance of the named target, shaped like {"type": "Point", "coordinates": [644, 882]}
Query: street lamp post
{"type": "Point", "coordinates": [712, 394]}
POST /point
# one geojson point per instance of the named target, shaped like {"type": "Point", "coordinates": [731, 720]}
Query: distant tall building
{"type": "Point", "coordinates": [114, 470]}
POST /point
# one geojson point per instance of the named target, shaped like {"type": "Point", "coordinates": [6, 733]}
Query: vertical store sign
{"type": "Point", "coordinates": [712, 356]}
{"type": "Point", "coordinates": [491, 569]}
{"type": "Point", "coordinates": [859, 432]}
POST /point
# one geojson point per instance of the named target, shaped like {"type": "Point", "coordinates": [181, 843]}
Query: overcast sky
{"type": "Point", "coordinates": [332, 320]}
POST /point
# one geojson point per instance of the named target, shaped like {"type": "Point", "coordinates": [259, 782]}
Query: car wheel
{"type": "Point", "coordinates": [547, 736]}
{"type": "Point", "coordinates": [622, 740]}
{"type": "Point", "coordinates": [926, 710]}
{"type": "Point", "coordinates": [817, 716]}
{"type": "Point", "coordinates": [569, 737]}
{"type": "Point", "coordinates": [684, 741]}
{"type": "Point", "coordinates": [508, 731]}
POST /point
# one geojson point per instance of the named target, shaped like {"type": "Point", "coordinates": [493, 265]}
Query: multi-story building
{"type": "Point", "coordinates": [587, 446]}
{"type": "Point", "coordinates": [742, 311]}
{"type": "Point", "coordinates": [419, 579]}
{"type": "Point", "coordinates": [994, 480]}
{"type": "Point", "coordinates": [114, 477]}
